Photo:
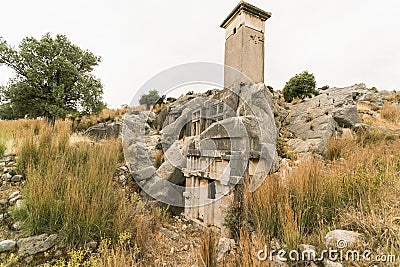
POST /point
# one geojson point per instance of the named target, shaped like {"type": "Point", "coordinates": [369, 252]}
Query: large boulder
{"type": "Point", "coordinates": [313, 121]}
{"type": "Point", "coordinates": [7, 245]}
{"type": "Point", "coordinates": [35, 244]}
{"type": "Point", "coordinates": [106, 130]}
{"type": "Point", "coordinates": [340, 239]}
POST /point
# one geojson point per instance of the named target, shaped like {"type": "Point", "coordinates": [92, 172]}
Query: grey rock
{"type": "Point", "coordinates": [16, 178]}
{"type": "Point", "coordinates": [13, 200]}
{"type": "Point", "coordinates": [14, 194]}
{"type": "Point", "coordinates": [16, 226]}
{"type": "Point", "coordinates": [314, 121]}
{"type": "Point", "coordinates": [19, 204]}
{"type": "Point", "coordinates": [170, 234]}
{"type": "Point", "coordinates": [225, 245]}
{"type": "Point", "coordinates": [35, 244]}
{"type": "Point", "coordinates": [92, 245]}
{"type": "Point", "coordinates": [123, 168]}
{"type": "Point", "coordinates": [5, 159]}
{"type": "Point", "coordinates": [144, 174]}
{"type": "Point", "coordinates": [342, 238]}
{"type": "Point", "coordinates": [7, 245]}
{"type": "Point", "coordinates": [6, 177]}
{"type": "Point", "coordinates": [4, 215]}
{"type": "Point", "coordinates": [53, 261]}
{"type": "Point", "coordinates": [107, 130]}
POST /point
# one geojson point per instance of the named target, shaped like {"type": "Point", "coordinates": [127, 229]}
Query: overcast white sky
{"type": "Point", "coordinates": [342, 42]}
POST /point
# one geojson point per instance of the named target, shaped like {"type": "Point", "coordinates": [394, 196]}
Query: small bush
{"type": "Point", "coordinates": [302, 85]}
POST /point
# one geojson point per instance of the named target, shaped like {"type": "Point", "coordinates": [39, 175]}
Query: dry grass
{"type": "Point", "coordinates": [3, 145]}
{"type": "Point", "coordinates": [208, 256]}
{"type": "Point", "coordinates": [339, 147]}
{"type": "Point", "coordinates": [391, 113]}
{"type": "Point", "coordinates": [82, 123]}
{"type": "Point", "coordinates": [302, 207]}
{"type": "Point", "coordinates": [69, 188]}
{"type": "Point", "coordinates": [70, 191]}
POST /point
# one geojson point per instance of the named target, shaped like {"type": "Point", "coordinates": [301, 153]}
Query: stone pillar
{"type": "Point", "coordinates": [244, 45]}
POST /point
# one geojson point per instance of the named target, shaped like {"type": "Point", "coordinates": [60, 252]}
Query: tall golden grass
{"type": "Point", "coordinates": [3, 145]}
{"type": "Point", "coordinates": [69, 187]}
{"type": "Point", "coordinates": [81, 123]}
{"type": "Point", "coordinates": [391, 112]}
{"type": "Point", "coordinates": [310, 201]}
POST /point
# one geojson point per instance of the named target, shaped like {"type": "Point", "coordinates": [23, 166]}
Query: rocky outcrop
{"type": "Point", "coordinates": [313, 121]}
{"type": "Point", "coordinates": [107, 130]}
{"type": "Point", "coordinates": [140, 164]}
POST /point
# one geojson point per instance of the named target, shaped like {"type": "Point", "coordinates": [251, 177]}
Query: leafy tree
{"type": "Point", "coordinates": [53, 79]}
{"type": "Point", "coordinates": [150, 99]}
{"type": "Point", "coordinates": [302, 85]}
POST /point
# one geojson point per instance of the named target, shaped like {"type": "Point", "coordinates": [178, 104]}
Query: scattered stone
{"type": "Point", "coordinates": [14, 194]}
{"type": "Point", "coordinates": [170, 234]}
{"type": "Point", "coordinates": [342, 239]}
{"type": "Point", "coordinates": [19, 204]}
{"type": "Point", "coordinates": [4, 215]}
{"type": "Point", "coordinates": [53, 262]}
{"type": "Point", "coordinates": [122, 178]}
{"type": "Point", "coordinates": [123, 168]}
{"type": "Point", "coordinates": [35, 244]}
{"type": "Point", "coordinates": [16, 226]}
{"type": "Point", "coordinates": [92, 245]}
{"type": "Point", "coordinates": [13, 200]}
{"type": "Point", "coordinates": [5, 159]}
{"type": "Point", "coordinates": [7, 245]}
{"type": "Point", "coordinates": [225, 245]}
{"type": "Point", "coordinates": [16, 178]}
{"type": "Point", "coordinates": [6, 177]}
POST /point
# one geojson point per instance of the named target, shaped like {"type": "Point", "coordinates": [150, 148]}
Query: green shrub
{"type": "Point", "coordinates": [301, 86]}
